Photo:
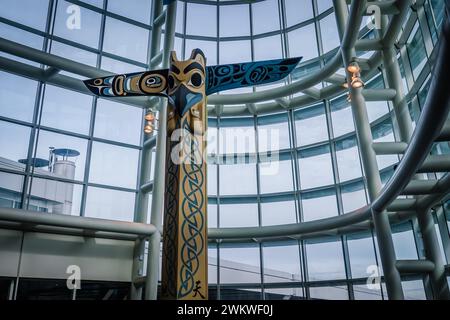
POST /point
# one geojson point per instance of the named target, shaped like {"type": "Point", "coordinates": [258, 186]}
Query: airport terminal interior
{"type": "Point", "coordinates": [332, 183]}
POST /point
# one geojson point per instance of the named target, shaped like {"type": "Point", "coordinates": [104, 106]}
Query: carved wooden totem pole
{"type": "Point", "coordinates": [186, 84]}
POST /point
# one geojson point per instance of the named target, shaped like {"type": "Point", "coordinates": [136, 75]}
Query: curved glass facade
{"type": "Point", "coordinates": [295, 166]}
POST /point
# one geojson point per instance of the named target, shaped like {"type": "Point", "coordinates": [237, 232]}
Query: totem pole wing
{"type": "Point", "coordinates": [237, 75]}
{"type": "Point", "coordinates": [149, 83]}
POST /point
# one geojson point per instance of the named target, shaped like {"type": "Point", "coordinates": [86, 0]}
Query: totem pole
{"type": "Point", "coordinates": [186, 84]}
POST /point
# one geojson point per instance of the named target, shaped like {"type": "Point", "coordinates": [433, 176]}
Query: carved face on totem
{"type": "Point", "coordinates": [186, 89]}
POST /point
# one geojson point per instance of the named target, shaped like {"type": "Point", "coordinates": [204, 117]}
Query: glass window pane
{"type": "Point", "coordinates": [118, 40]}
{"type": "Point", "coordinates": [84, 31]}
{"type": "Point", "coordinates": [315, 167]}
{"type": "Point", "coordinates": [49, 140]}
{"type": "Point", "coordinates": [353, 196]}
{"type": "Point", "coordinates": [323, 5]}
{"type": "Point", "coordinates": [240, 265]}
{"type": "Point", "coordinates": [362, 292]}
{"type": "Point", "coordinates": [138, 10]}
{"type": "Point", "coordinates": [118, 122]}
{"type": "Point", "coordinates": [416, 51]}
{"type": "Point", "coordinates": [17, 97]}
{"type": "Point", "coordinates": [306, 34]}
{"type": "Point", "coordinates": [404, 244]}
{"type": "Point", "coordinates": [413, 290]}
{"type": "Point", "coordinates": [113, 165]}
{"type": "Point", "coordinates": [55, 196]}
{"type": "Point", "coordinates": [209, 48]}
{"type": "Point", "coordinates": [325, 260]}
{"type": "Point", "coordinates": [13, 142]}
{"type": "Point", "coordinates": [447, 214]}
{"type": "Point", "coordinates": [227, 293]}
{"type": "Point", "coordinates": [362, 255]}
{"type": "Point", "coordinates": [234, 51]}
{"type": "Point", "coordinates": [119, 67]}
{"type": "Point", "coordinates": [242, 172]}
{"type": "Point", "coordinates": [276, 213]}
{"type": "Point", "coordinates": [35, 14]}
{"type": "Point", "coordinates": [97, 3]}
{"type": "Point", "coordinates": [342, 116]}
{"type": "Point", "coordinates": [319, 205]}
{"type": "Point", "coordinates": [278, 179]}
{"type": "Point", "coordinates": [212, 215]}
{"type": "Point", "coordinates": [273, 133]}
{"type": "Point", "coordinates": [376, 109]}
{"type": "Point", "coordinates": [211, 142]}
{"type": "Point", "coordinates": [311, 125]}
{"type": "Point", "coordinates": [330, 36]}
{"type": "Point", "coordinates": [73, 53]}
{"type": "Point", "coordinates": [298, 11]}
{"type": "Point", "coordinates": [329, 293]}
{"type": "Point", "coordinates": [236, 139]}
{"type": "Point", "coordinates": [212, 265]}
{"type": "Point", "coordinates": [238, 215]}
{"type": "Point", "coordinates": [265, 16]}
{"type": "Point", "coordinates": [179, 27]}
{"type": "Point", "coordinates": [267, 48]}
{"type": "Point", "coordinates": [234, 20]}
{"type": "Point", "coordinates": [201, 20]}
{"type": "Point", "coordinates": [212, 179]}
{"type": "Point", "coordinates": [110, 204]}
{"type": "Point", "coordinates": [18, 35]}
{"type": "Point", "coordinates": [283, 293]}
{"type": "Point", "coordinates": [348, 159]}
{"type": "Point", "coordinates": [281, 263]}
{"type": "Point", "coordinates": [66, 110]}
{"type": "Point", "coordinates": [384, 133]}
{"type": "Point", "coordinates": [10, 187]}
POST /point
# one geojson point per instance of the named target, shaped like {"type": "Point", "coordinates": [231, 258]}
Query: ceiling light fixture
{"type": "Point", "coordinates": [353, 67]}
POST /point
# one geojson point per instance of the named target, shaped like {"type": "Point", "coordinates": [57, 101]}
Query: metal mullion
{"type": "Point", "coordinates": [420, 250]}
{"type": "Point", "coordinates": [337, 188]}
{"type": "Point", "coordinates": [299, 213]}
{"type": "Point", "coordinates": [34, 137]}
{"type": "Point", "coordinates": [23, 27]}
{"type": "Point", "coordinates": [258, 200]}
{"type": "Point", "coordinates": [43, 176]}
{"type": "Point", "coordinates": [17, 121]}
{"type": "Point", "coordinates": [87, 168]}
{"type": "Point", "coordinates": [407, 67]}
{"type": "Point", "coordinates": [297, 199]}
{"type": "Point", "coordinates": [116, 143]}
{"type": "Point", "coordinates": [124, 59]}
{"type": "Point", "coordinates": [88, 157]}
{"type": "Point", "coordinates": [293, 158]}
{"type": "Point", "coordinates": [218, 40]}
{"type": "Point", "coordinates": [318, 31]}
{"type": "Point", "coordinates": [379, 267]}
{"type": "Point", "coordinates": [426, 32]}
{"type": "Point", "coordinates": [218, 207]}
{"type": "Point", "coordinates": [347, 266]}
{"type": "Point", "coordinates": [110, 187]}
{"type": "Point", "coordinates": [333, 155]}
{"type": "Point", "coordinates": [183, 37]}
{"type": "Point", "coordinates": [218, 150]}
{"type": "Point", "coordinates": [140, 179]}
{"type": "Point", "coordinates": [89, 136]}
{"type": "Point", "coordinates": [261, 267]}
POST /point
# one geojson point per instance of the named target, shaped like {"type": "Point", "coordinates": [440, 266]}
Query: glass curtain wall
{"type": "Point", "coordinates": [313, 171]}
